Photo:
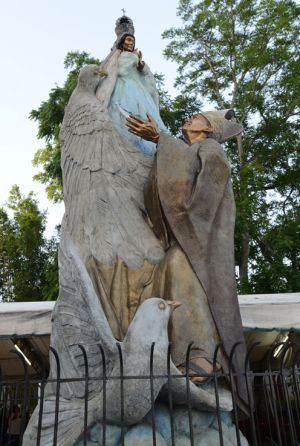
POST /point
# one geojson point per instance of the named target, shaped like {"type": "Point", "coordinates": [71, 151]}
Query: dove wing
{"type": "Point", "coordinates": [103, 179]}
{"type": "Point", "coordinates": [68, 427]}
{"type": "Point", "coordinates": [78, 318]}
{"type": "Point", "coordinates": [89, 139]}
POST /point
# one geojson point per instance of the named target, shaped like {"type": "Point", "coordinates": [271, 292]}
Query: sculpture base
{"type": "Point", "coordinates": [205, 430]}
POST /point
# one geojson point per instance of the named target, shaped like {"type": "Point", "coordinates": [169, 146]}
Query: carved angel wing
{"type": "Point", "coordinates": [78, 318]}
{"type": "Point", "coordinates": [69, 427]}
{"type": "Point", "coordinates": [103, 179]}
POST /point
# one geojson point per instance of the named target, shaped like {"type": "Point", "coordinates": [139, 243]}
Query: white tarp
{"type": "Point", "coordinates": [25, 318]}
{"type": "Point", "coordinates": [279, 312]}
{"type": "Point", "coordinates": [259, 312]}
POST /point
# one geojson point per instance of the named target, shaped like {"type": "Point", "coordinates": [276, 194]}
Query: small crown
{"type": "Point", "coordinates": [124, 25]}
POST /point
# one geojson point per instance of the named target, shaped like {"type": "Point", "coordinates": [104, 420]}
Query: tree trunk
{"type": "Point", "coordinates": [245, 249]}
{"type": "Point", "coordinates": [245, 236]}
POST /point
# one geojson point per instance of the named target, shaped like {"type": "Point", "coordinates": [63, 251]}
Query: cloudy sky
{"type": "Point", "coordinates": [35, 36]}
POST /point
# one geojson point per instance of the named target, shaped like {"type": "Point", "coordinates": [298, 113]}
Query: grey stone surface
{"type": "Point", "coordinates": [162, 420]}
{"type": "Point", "coordinates": [205, 431]}
{"type": "Point", "coordinates": [141, 435]}
{"type": "Point", "coordinates": [183, 441]}
{"type": "Point", "coordinates": [112, 434]}
{"type": "Point", "coordinates": [211, 438]}
{"type": "Point", "coordinates": [205, 427]}
{"type": "Point", "coordinates": [229, 433]}
{"type": "Point", "coordinates": [88, 443]}
{"type": "Point", "coordinates": [137, 395]}
{"type": "Point", "coordinates": [104, 178]}
{"type": "Point", "coordinates": [77, 318]}
{"type": "Point", "coordinates": [201, 421]}
{"type": "Point", "coordinates": [226, 418]}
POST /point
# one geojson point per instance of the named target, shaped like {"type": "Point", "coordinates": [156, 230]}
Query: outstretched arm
{"type": "Point", "coordinates": [145, 129]}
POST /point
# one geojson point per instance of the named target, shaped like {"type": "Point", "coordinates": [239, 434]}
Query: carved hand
{"type": "Point", "coordinates": [141, 63]}
{"type": "Point", "coordinates": [145, 129]}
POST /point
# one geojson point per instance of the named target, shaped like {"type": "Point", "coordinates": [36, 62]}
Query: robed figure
{"type": "Point", "coordinates": [190, 203]}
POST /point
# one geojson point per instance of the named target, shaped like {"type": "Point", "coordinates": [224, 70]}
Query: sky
{"type": "Point", "coordinates": [35, 36]}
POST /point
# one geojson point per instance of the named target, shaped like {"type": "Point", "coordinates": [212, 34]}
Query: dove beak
{"type": "Point", "coordinates": [173, 304]}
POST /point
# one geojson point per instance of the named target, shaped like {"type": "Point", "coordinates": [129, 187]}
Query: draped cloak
{"type": "Point", "coordinates": [189, 196]}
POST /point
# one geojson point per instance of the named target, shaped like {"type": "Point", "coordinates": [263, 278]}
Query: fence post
{"type": "Point", "coordinates": [86, 392]}
{"type": "Point", "coordinates": [52, 350]}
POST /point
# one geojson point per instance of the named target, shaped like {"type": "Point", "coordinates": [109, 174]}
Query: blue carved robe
{"type": "Point", "coordinates": [134, 93]}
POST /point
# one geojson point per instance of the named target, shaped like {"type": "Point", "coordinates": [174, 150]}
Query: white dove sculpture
{"type": "Point", "coordinates": [79, 319]}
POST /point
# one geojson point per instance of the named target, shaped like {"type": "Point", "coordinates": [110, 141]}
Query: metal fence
{"type": "Point", "coordinates": [274, 417]}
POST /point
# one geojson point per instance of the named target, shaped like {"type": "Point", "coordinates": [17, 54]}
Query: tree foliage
{"type": "Point", "coordinates": [245, 54]}
{"type": "Point", "coordinates": [28, 261]}
{"type": "Point", "coordinates": [174, 111]}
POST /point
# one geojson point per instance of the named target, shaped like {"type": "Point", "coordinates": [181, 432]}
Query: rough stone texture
{"type": "Point", "coordinates": [205, 430]}
{"type": "Point", "coordinates": [112, 434]}
{"type": "Point", "coordinates": [162, 421]}
{"type": "Point", "coordinates": [201, 421]}
{"type": "Point", "coordinates": [211, 438]}
{"type": "Point", "coordinates": [225, 419]}
{"type": "Point", "coordinates": [205, 427]}
{"type": "Point", "coordinates": [142, 435]}
{"type": "Point", "coordinates": [230, 434]}
{"type": "Point", "coordinates": [88, 443]}
{"type": "Point", "coordinates": [111, 261]}
{"type": "Point", "coordinates": [183, 441]}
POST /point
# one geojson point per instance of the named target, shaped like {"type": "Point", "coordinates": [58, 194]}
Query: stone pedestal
{"type": "Point", "coordinates": [205, 430]}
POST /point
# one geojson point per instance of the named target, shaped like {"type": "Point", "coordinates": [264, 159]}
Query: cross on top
{"type": "Point", "coordinates": [123, 10]}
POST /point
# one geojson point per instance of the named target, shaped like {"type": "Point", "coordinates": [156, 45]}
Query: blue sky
{"type": "Point", "coordinates": [35, 36]}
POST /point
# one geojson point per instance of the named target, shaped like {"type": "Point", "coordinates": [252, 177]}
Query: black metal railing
{"type": "Point", "coordinates": [273, 390]}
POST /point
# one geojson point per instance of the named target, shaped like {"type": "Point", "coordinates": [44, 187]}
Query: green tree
{"type": "Point", "coordinates": [245, 54]}
{"type": "Point", "coordinates": [28, 261]}
{"type": "Point", "coordinates": [174, 111]}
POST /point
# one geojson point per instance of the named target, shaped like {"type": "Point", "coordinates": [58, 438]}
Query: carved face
{"type": "Point", "coordinates": [193, 136]}
{"type": "Point", "coordinates": [128, 44]}
{"type": "Point", "coordinates": [196, 129]}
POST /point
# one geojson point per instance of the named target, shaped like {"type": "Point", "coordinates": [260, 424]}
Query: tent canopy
{"type": "Point", "coordinates": [21, 319]}
{"type": "Point", "coordinates": [29, 324]}
{"type": "Point", "coordinates": [262, 312]}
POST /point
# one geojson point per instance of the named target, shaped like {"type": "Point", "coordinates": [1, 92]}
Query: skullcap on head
{"type": "Point", "coordinates": [198, 123]}
{"type": "Point", "coordinates": [220, 123]}
{"type": "Point", "coordinates": [224, 124]}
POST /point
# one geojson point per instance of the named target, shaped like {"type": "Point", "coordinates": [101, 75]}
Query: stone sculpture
{"type": "Point", "coordinates": [139, 225]}
{"type": "Point", "coordinates": [104, 174]}
{"type": "Point", "coordinates": [79, 319]}
{"type": "Point", "coordinates": [190, 203]}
